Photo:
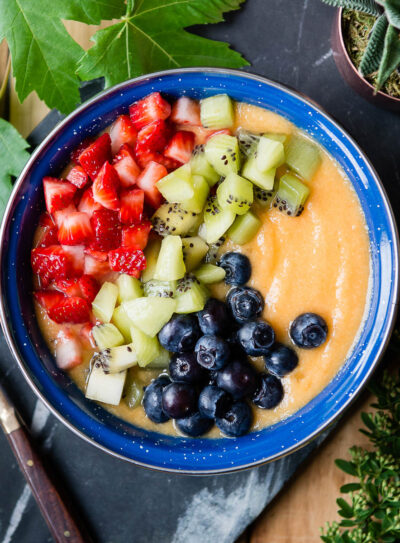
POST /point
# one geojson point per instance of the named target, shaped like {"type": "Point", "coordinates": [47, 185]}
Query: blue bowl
{"type": "Point", "coordinates": [92, 422]}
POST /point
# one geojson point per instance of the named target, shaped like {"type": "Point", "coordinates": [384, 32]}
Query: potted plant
{"type": "Point", "coordinates": [366, 47]}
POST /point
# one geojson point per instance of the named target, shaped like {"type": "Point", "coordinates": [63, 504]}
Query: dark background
{"type": "Point", "coordinates": [287, 41]}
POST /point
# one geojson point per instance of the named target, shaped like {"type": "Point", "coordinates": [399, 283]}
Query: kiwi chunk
{"type": "Point", "coordinates": [177, 185]}
{"type": "Point", "coordinates": [247, 142]}
{"type": "Point", "coordinates": [162, 360]}
{"type": "Point", "coordinates": [276, 136]}
{"type": "Point", "coordinates": [104, 387]}
{"type": "Point", "coordinates": [291, 195]}
{"type": "Point", "coordinates": [150, 314]}
{"type": "Point", "coordinates": [222, 152]}
{"type": "Point", "coordinates": [264, 180]}
{"type": "Point", "coordinates": [170, 264]}
{"type": "Point", "coordinates": [118, 359]}
{"type": "Point", "coordinates": [147, 348]}
{"type": "Point", "coordinates": [151, 253]}
{"type": "Point", "coordinates": [235, 193]}
{"type": "Point", "coordinates": [264, 198]}
{"type": "Point", "coordinates": [217, 112]}
{"type": "Point", "coordinates": [209, 273]}
{"type": "Point", "coordinates": [244, 228]}
{"type": "Point", "coordinates": [107, 335]}
{"type": "Point", "coordinates": [191, 295]}
{"type": "Point", "coordinates": [213, 250]}
{"type": "Point", "coordinates": [216, 220]}
{"type": "Point", "coordinates": [162, 289]}
{"type": "Point", "coordinates": [302, 156]}
{"type": "Point", "coordinates": [194, 250]}
{"type": "Point", "coordinates": [200, 166]}
{"type": "Point", "coordinates": [270, 154]}
{"type": "Point", "coordinates": [201, 189]}
{"type": "Point", "coordinates": [122, 322]}
{"type": "Point", "coordinates": [133, 390]}
{"type": "Point", "coordinates": [104, 303]}
{"type": "Point", "coordinates": [173, 219]}
{"type": "Point", "coordinates": [128, 287]}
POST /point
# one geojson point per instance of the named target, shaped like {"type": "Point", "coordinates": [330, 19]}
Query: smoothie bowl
{"type": "Point", "coordinates": [199, 271]}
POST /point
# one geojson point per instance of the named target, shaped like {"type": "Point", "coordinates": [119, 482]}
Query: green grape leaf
{"type": "Point", "coordinates": [366, 6]}
{"type": "Point", "coordinates": [392, 9]}
{"type": "Point", "coordinates": [374, 50]}
{"type": "Point", "coordinates": [152, 37]}
{"type": "Point", "coordinates": [13, 156]}
{"type": "Point", "coordinates": [390, 57]}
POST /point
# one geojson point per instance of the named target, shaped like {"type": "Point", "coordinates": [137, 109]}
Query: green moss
{"type": "Point", "coordinates": [356, 30]}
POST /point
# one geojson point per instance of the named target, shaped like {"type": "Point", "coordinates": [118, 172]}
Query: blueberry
{"type": "Point", "coordinates": [179, 400]}
{"type": "Point", "coordinates": [281, 360]}
{"type": "Point", "coordinates": [237, 268]}
{"type": "Point", "coordinates": [195, 425]}
{"type": "Point", "coordinates": [308, 330]}
{"type": "Point", "coordinates": [152, 399]}
{"type": "Point", "coordinates": [184, 367]}
{"type": "Point", "coordinates": [237, 420]}
{"type": "Point", "coordinates": [246, 303]}
{"type": "Point", "coordinates": [256, 337]}
{"type": "Point", "coordinates": [269, 392]}
{"type": "Point", "coordinates": [180, 334]}
{"type": "Point", "coordinates": [214, 402]}
{"type": "Point", "coordinates": [238, 378]}
{"type": "Point", "coordinates": [215, 319]}
{"type": "Point", "coordinates": [212, 352]}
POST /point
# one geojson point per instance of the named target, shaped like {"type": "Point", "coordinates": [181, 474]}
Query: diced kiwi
{"type": "Point", "coordinates": [104, 387]}
{"type": "Point", "coordinates": [151, 253]}
{"type": "Point", "coordinates": [162, 360]}
{"type": "Point", "coordinates": [264, 180]}
{"type": "Point", "coordinates": [195, 226]}
{"type": "Point", "coordinates": [247, 141]}
{"type": "Point", "coordinates": [177, 185]}
{"type": "Point", "coordinates": [209, 273]}
{"type": "Point", "coordinates": [133, 390]}
{"type": "Point", "coordinates": [107, 335]}
{"type": "Point", "coordinates": [270, 154]}
{"type": "Point", "coordinates": [217, 112]}
{"type": "Point", "coordinates": [162, 289]}
{"type": "Point", "coordinates": [276, 136]}
{"type": "Point", "coordinates": [122, 322]}
{"type": "Point", "coordinates": [191, 295]}
{"type": "Point", "coordinates": [118, 359]}
{"type": "Point", "coordinates": [150, 314]}
{"type": "Point", "coordinates": [194, 250]}
{"type": "Point", "coordinates": [263, 197]}
{"type": "Point", "coordinates": [173, 219]}
{"type": "Point", "coordinates": [216, 220]}
{"type": "Point", "coordinates": [213, 250]}
{"type": "Point", "coordinates": [201, 189]}
{"type": "Point", "coordinates": [222, 152]}
{"type": "Point", "coordinates": [244, 228]}
{"type": "Point", "coordinates": [129, 288]}
{"type": "Point", "coordinates": [147, 348]}
{"type": "Point", "coordinates": [170, 264]}
{"type": "Point", "coordinates": [200, 166]}
{"type": "Point", "coordinates": [302, 156]}
{"type": "Point", "coordinates": [104, 303]}
{"type": "Point", "coordinates": [291, 195]}
{"type": "Point", "coordinates": [235, 193]}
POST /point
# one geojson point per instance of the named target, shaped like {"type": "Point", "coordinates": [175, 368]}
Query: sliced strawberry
{"type": "Point", "coordinates": [125, 166]}
{"type": "Point", "coordinates": [95, 268]}
{"type": "Point", "coordinates": [89, 287]}
{"type": "Point", "coordinates": [68, 350]}
{"type": "Point", "coordinates": [59, 216]}
{"type": "Point", "coordinates": [78, 177]}
{"type": "Point", "coordinates": [122, 131]}
{"type": "Point", "coordinates": [94, 156]}
{"type": "Point", "coordinates": [186, 111]}
{"type": "Point", "coordinates": [70, 287]}
{"type": "Point", "coordinates": [84, 144]}
{"type": "Point", "coordinates": [144, 156]}
{"type": "Point", "coordinates": [170, 163]}
{"type": "Point", "coordinates": [147, 182]}
{"type": "Point", "coordinates": [46, 233]}
{"type": "Point", "coordinates": [74, 310]}
{"type": "Point", "coordinates": [180, 146]}
{"type": "Point", "coordinates": [200, 134]}
{"type": "Point", "coordinates": [86, 335]}
{"type": "Point", "coordinates": [102, 256]}
{"type": "Point", "coordinates": [75, 229]}
{"type": "Point", "coordinates": [107, 230]}
{"type": "Point", "coordinates": [76, 260]}
{"type": "Point", "coordinates": [50, 263]}
{"type": "Point", "coordinates": [57, 193]}
{"type": "Point", "coordinates": [46, 219]}
{"type": "Point", "coordinates": [132, 202]}
{"type": "Point", "coordinates": [153, 137]}
{"type": "Point", "coordinates": [136, 236]}
{"type": "Point", "coordinates": [151, 108]}
{"type": "Point", "coordinates": [126, 260]}
{"type": "Point", "coordinates": [105, 187]}
{"type": "Point", "coordinates": [87, 203]}
{"type": "Point", "coordinates": [48, 298]}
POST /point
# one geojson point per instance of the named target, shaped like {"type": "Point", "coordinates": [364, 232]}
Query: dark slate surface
{"type": "Point", "coordinates": [289, 42]}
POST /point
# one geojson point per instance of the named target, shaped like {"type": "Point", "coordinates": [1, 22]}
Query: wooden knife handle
{"type": "Point", "coordinates": [58, 518]}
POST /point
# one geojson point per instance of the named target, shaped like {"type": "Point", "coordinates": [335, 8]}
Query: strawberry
{"type": "Point", "coordinates": [77, 176]}
{"type": "Point", "coordinates": [50, 263]}
{"type": "Point", "coordinates": [89, 287]}
{"type": "Point", "coordinates": [46, 219]}
{"type": "Point", "coordinates": [186, 111]}
{"type": "Point", "coordinates": [84, 144]}
{"type": "Point", "coordinates": [200, 134]}
{"type": "Point", "coordinates": [76, 259]}
{"type": "Point", "coordinates": [125, 166]}
{"type": "Point", "coordinates": [105, 187]}
{"type": "Point", "coordinates": [107, 230]}
{"type": "Point", "coordinates": [75, 229]}
{"type": "Point", "coordinates": [46, 233]}
{"type": "Point", "coordinates": [180, 146]}
{"type": "Point", "coordinates": [147, 181]}
{"type": "Point", "coordinates": [102, 256]}
{"type": "Point", "coordinates": [151, 108]}
{"type": "Point", "coordinates": [219, 133]}
{"type": "Point", "coordinates": [132, 202]}
{"type": "Point", "coordinates": [87, 203]}
{"type": "Point", "coordinates": [48, 298]}
{"type": "Point", "coordinates": [70, 287]}
{"type": "Point", "coordinates": [122, 131]}
{"type": "Point", "coordinates": [96, 268]}
{"type": "Point", "coordinates": [59, 216]}
{"type": "Point", "coordinates": [136, 236]}
{"type": "Point", "coordinates": [170, 163]}
{"type": "Point", "coordinates": [93, 157]}
{"type": "Point", "coordinates": [73, 310]}
{"type": "Point", "coordinates": [152, 137]}
{"type": "Point", "coordinates": [126, 260]}
{"type": "Point", "coordinates": [145, 156]}
{"type": "Point", "coordinates": [68, 350]}
{"type": "Point", "coordinates": [86, 335]}
{"type": "Point", "coordinates": [57, 193]}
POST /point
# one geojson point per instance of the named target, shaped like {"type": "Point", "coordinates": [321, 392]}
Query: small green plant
{"type": "Point", "coordinates": [381, 56]}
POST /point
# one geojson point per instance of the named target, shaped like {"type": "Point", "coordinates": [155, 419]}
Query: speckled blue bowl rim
{"type": "Point", "coordinates": [155, 450]}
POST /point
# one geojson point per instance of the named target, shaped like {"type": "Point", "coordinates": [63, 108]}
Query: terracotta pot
{"type": "Point", "coordinates": [351, 75]}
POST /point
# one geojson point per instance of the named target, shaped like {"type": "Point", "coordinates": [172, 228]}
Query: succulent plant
{"type": "Point", "coordinates": [382, 54]}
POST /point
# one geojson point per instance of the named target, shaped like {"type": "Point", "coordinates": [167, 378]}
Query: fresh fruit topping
{"type": "Point", "coordinates": [49, 263]}
{"type": "Point", "coordinates": [162, 289]}
{"type": "Point", "coordinates": [215, 319]}
{"type": "Point", "coordinates": [46, 235]}
{"type": "Point", "coordinates": [291, 196]}
{"type": "Point", "coordinates": [70, 287]}
{"type": "Point", "coordinates": [132, 202]}
{"type": "Point", "coordinates": [170, 163]}
{"type": "Point", "coordinates": [58, 194]}
{"type": "Point", "coordinates": [73, 310]}
{"type": "Point", "coordinates": [302, 156]}
{"type": "Point", "coordinates": [107, 230]}
{"type": "Point", "coordinates": [180, 334]}
{"type": "Point", "coordinates": [235, 193]}
{"type": "Point", "coordinates": [125, 166]}
{"type": "Point", "coordinates": [117, 359]}
{"type": "Point", "coordinates": [78, 177]}
{"type": "Point", "coordinates": [122, 131]}
{"type": "Point", "coordinates": [185, 111]}
{"type": "Point", "coordinates": [281, 360]}
{"type": "Point", "coordinates": [238, 378]}
{"type": "Point", "coordinates": [105, 187]}
{"type": "Point", "coordinates": [216, 220]}
{"type": "Point", "coordinates": [308, 331]}
{"type": "Point", "coordinates": [179, 400]}
{"type": "Point", "coordinates": [84, 144]}
{"type": "Point", "coordinates": [127, 260]}
{"type": "Point", "coordinates": [93, 157]}
{"type": "Point", "coordinates": [152, 399]}
{"type": "Point", "coordinates": [104, 303]}
{"type": "Point", "coordinates": [87, 203]}
{"type": "Point", "coordinates": [180, 146]}
{"type": "Point", "coordinates": [106, 336]}
{"type": "Point", "coordinates": [191, 295]}
{"type": "Point", "coordinates": [264, 180]}
{"type": "Point", "coordinates": [172, 219]}
{"type": "Point", "coordinates": [122, 322]}
{"type": "Point", "coordinates": [101, 256]}
{"type": "Point", "coordinates": [244, 228]}
{"type": "Point", "coordinates": [151, 108]}
{"type": "Point", "coordinates": [75, 229]}
{"type": "Point", "coordinates": [153, 137]}
{"type": "Point", "coordinates": [237, 420]}
{"type": "Point", "coordinates": [212, 352]}
{"type": "Point", "coordinates": [263, 197]}
{"type": "Point", "coordinates": [222, 152]}
{"type": "Point", "coordinates": [199, 165]}
{"type": "Point", "coordinates": [86, 335]}
{"type": "Point", "coordinates": [104, 387]}
{"type": "Point", "coordinates": [129, 288]}
{"type": "Point", "coordinates": [136, 236]}
{"type": "Point", "coordinates": [185, 368]}
{"type": "Point", "coordinates": [97, 268]}
{"type": "Point", "coordinates": [147, 180]}
{"type": "Point", "coordinates": [247, 142]}
{"type": "Point", "coordinates": [214, 402]}
{"type": "Point", "coordinates": [256, 337]}
{"type": "Point", "coordinates": [194, 426]}
{"type": "Point", "coordinates": [217, 112]}
{"type": "Point", "coordinates": [133, 390]}
{"type": "Point", "coordinates": [76, 259]}
{"type": "Point", "coordinates": [147, 348]}
{"type": "Point", "coordinates": [89, 287]}
{"type": "Point", "coordinates": [270, 154]}
{"type": "Point", "coordinates": [177, 186]}
{"type": "Point", "coordinates": [237, 268]}
{"type": "Point", "coordinates": [269, 392]}
{"type": "Point", "coordinates": [150, 314]}
{"type": "Point", "coordinates": [209, 273]}
{"type": "Point", "coordinates": [68, 351]}
{"type": "Point", "coordinates": [201, 134]}
{"type": "Point", "coordinates": [194, 250]}
{"type": "Point", "coordinates": [246, 303]}
{"type": "Point", "coordinates": [201, 190]}
{"type": "Point", "coordinates": [48, 298]}
{"type": "Point", "coordinates": [170, 265]}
